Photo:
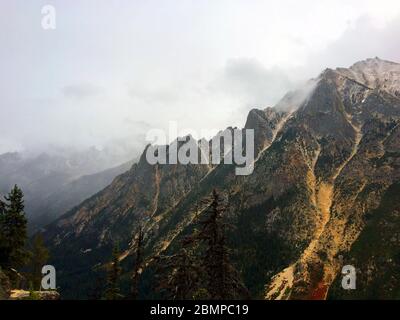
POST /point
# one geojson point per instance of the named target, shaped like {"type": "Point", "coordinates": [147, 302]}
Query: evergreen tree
{"type": "Point", "coordinates": [113, 276]}
{"type": "Point", "coordinates": [179, 275]}
{"type": "Point", "coordinates": [15, 200]}
{"type": "Point", "coordinates": [2, 207]}
{"type": "Point", "coordinates": [202, 268]}
{"type": "Point", "coordinates": [13, 230]}
{"type": "Point", "coordinates": [39, 258]}
{"type": "Point", "coordinates": [222, 281]}
{"type": "Point", "coordinates": [3, 246]}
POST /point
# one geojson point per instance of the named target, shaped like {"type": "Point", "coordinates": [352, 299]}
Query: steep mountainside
{"type": "Point", "coordinates": [71, 194]}
{"type": "Point", "coordinates": [326, 167]}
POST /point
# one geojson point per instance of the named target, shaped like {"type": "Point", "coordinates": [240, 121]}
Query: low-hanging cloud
{"type": "Point", "coordinates": [106, 78]}
{"type": "Point", "coordinates": [252, 83]}
{"type": "Point", "coordinates": [365, 39]}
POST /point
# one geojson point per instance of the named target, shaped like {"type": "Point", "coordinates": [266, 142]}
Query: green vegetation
{"type": "Point", "coordinates": [13, 236]}
{"type": "Point", "coordinates": [19, 265]}
{"type": "Point", "coordinates": [39, 257]}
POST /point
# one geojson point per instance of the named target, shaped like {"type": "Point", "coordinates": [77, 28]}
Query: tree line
{"type": "Point", "coordinates": [199, 269]}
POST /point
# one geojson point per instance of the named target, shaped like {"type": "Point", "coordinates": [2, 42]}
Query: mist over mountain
{"type": "Point", "coordinates": [90, 89]}
{"type": "Point", "coordinates": [321, 194]}
{"type": "Point", "coordinates": [78, 86]}
{"type": "Point", "coordinates": [59, 179]}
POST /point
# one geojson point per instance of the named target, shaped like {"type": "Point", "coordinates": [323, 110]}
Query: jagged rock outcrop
{"type": "Point", "coordinates": [265, 124]}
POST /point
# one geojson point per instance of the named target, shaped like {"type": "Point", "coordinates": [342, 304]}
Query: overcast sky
{"type": "Point", "coordinates": [111, 70]}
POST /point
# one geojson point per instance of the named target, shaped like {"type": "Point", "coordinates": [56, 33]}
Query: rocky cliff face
{"type": "Point", "coordinates": [326, 167]}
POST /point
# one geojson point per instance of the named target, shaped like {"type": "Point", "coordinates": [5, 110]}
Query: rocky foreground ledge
{"type": "Point", "coordinates": [34, 295]}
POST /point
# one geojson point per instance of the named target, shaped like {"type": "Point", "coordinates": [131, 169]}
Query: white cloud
{"type": "Point", "coordinates": [202, 63]}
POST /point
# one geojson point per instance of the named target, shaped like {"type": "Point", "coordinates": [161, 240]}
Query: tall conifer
{"type": "Point", "coordinates": [13, 226]}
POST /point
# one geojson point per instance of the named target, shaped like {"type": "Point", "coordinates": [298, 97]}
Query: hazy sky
{"type": "Point", "coordinates": [111, 70]}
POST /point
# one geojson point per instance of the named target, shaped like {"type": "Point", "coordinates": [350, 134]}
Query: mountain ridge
{"type": "Point", "coordinates": [318, 173]}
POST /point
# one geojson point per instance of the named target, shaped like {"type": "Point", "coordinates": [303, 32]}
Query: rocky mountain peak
{"type": "Point", "coordinates": [376, 74]}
